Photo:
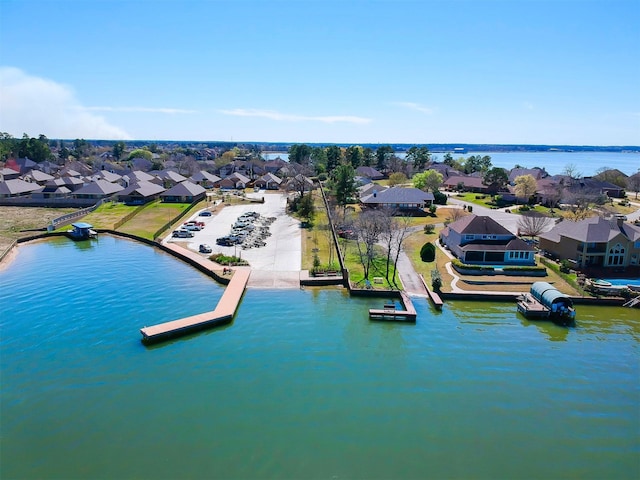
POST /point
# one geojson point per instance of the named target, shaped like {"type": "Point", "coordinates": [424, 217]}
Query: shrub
{"type": "Point", "coordinates": [436, 281]}
{"type": "Point", "coordinates": [432, 209]}
{"type": "Point", "coordinates": [439, 198]}
{"type": "Point", "coordinates": [470, 208]}
{"type": "Point", "coordinates": [429, 228]}
{"type": "Point", "coordinates": [428, 252]}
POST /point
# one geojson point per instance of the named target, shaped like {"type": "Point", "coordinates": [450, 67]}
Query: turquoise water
{"type": "Point", "coordinates": [622, 281]}
{"type": "Point", "coordinates": [301, 384]}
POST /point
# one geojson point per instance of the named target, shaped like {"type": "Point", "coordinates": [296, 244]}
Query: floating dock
{"type": "Point", "coordinates": [223, 313]}
{"type": "Point", "coordinates": [390, 313]}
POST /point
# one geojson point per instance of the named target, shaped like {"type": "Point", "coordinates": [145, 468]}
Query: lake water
{"type": "Point", "coordinates": [586, 163]}
{"type": "Point", "coordinates": [301, 384]}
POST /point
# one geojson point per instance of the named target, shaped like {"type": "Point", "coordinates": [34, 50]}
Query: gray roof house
{"type": "Point", "coordinates": [369, 172]}
{"type": "Point", "coordinates": [594, 242]}
{"type": "Point", "coordinates": [205, 179]}
{"type": "Point", "coordinates": [97, 189]}
{"type": "Point", "coordinates": [268, 181]}
{"type": "Point", "coordinates": [38, 177]}
{"type": "Point", "coordinates": [185, 192]}
{"type": "Point", "coordinates": [404, 200]}
{"type": "Point", "coordinates": [477, 239]}
{"type": "Point", "coordinates": [16, 187]}
{"type": "Point", "coordinates": [139, 193]}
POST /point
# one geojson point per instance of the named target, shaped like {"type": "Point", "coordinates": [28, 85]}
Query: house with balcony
{"type": "Point", "coordinates": [594, 242]}
{"type": "Point", "coordinates": [479, 239]}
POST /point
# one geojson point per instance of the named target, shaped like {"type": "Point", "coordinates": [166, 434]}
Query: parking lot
{"type": "Point", "coordinates": [282, 252]}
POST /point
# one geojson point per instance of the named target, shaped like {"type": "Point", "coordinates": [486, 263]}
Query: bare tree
{"type": "Point", "coordinates": [533, 224]}
{"type": "Point", "coordinates": [455, 214]}
{"type": "Point", "coordinates": [395, 236]}
{"type": "Point", "coordinates": [369, 227]}
{"type": "Point", "coordinates": [571, 171]}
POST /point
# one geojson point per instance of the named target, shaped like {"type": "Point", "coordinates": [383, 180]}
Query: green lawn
{"type": "Point", "coordinates": [107, 215]}
{"type": "Point", "coordinates": [151, 218]}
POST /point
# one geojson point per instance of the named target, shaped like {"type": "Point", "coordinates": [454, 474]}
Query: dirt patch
{"type": "Point", "coordinates": [16, 221]}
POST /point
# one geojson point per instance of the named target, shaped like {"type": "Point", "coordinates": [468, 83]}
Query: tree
{"type": "Point", "coordinates": [334, 157]}
{"type": "Point", "coordinates": [571, 171]}
{"type": "Point", "coordinates": [448, 159]}
{"type": "Point", "coordinates": [36, 149]}
{"type": "Point", "coordinates": [429, 180]}
{"type": "Point", "coordinates": [419, 157]}
{"type": "Point", "coordinates": [533, 224]}
{"type": "Point", "coordinates": [383, 157]}
{"type": "Point", "coordinates": [305, 208]}
{"type": "Point", "coordinates": [318, 159]}
{"type": "Point", "coordinates": [300, 153]}
{"type": "Point", "coordinates": [496, 179]}
{"type": "Point", "coordinates": [393, 232]}
{"type": "Point", "coordinates": [476, 163]}
{"type": "Point", "coordinates": [353, 155]}
{"type": "Point", "coordinates": [8, 145]}
{"type": "Point", "coordinates": [141, 153]}
{"type": "Point", "coordinates": [397, 178]}
{"type": "Point", "coordinates": [344, 184]}
{"type": "Point", "coordinates": [525, 186]}
{"type": "Point", "coordinates": [368, 157]}
{"type": "Point", "coordinates": [369, 227]}
{"type": "Point", "coordinates": [118, 149]}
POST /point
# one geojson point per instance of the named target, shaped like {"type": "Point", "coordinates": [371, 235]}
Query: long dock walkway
{"type": "Point", "coordinates": [223, 313]}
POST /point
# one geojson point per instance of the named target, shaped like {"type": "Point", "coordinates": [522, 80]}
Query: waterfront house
{"type": "Point", "coordinates": [139, 193]}
{"type": "Point", "coordinates": [594, 242]}
{"type": "Point", "coordinates": [403, 200]}
{"type": "Point", "coordinates": [478, 239]}
{"type": "Point", "coordinates": [184, 192]}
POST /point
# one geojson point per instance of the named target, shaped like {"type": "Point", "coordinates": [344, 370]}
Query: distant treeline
{"type": "Point", "coordinates": [397, 147]}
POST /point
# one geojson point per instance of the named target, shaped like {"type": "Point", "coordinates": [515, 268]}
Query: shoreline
{"type": "Point", "coordinates": [9, 257]}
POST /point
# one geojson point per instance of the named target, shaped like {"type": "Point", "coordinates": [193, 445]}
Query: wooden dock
{"type": "Point", "coordinates": [532, 308]}
{"type": "Point", "coordinates": [223, 313]}
{"type": "Point", "coordinates": [433, 296]}
{"type": "Point", "coordinates": [390, 313]}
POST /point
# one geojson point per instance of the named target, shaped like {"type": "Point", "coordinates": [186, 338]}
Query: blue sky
{"type": "Point", "coordinates": [517, 71]}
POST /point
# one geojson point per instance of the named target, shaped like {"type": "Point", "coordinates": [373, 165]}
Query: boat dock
{"type": "Point", "coordinates": [223, 313]}
{"type": "Point", "coordinates": [390, 313]}
{"type": "Point", "coordinates": [531, 308]}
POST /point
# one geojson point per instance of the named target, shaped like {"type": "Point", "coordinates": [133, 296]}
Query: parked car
{"type": "Point", "coordinates": [204, 248]}
{"type": "Point", "coordinates": [205, 213]}
{"type": "Point", "coordinates": [225, 242]}
{"type": "Point", "coordinates": [194, 228]}
{"type": "Point", "coordinates": [182, 233]}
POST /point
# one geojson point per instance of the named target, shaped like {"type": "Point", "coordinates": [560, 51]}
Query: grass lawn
{"type": "Point", "coordinates": [317, 239]}
{"type": "Point", "coordinates": [151, 218]}
{"type": "Point", "coordinates": [108, 214]}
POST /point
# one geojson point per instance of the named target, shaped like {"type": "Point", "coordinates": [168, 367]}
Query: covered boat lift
{"type": "Point", "coordinates": [545, 300]}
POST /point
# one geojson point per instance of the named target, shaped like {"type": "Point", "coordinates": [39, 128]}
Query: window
{"type": "Point", "coordinates": [616, 255]}
{"type": "Point", "coordinates": [469, 237]}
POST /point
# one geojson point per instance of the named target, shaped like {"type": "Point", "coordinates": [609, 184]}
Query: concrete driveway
{"type": "Point", "coordinates": [278, 263]}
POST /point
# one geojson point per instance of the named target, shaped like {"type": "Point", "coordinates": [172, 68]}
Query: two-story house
{"type": "Point", "coordinates": [477, 239]}
{"type": "Point", "coordinates": [594, 242]}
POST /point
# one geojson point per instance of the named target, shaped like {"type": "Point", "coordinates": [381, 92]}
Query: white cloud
{"type": "Point", "coordinates": [170, 111]}
{"type": "Point", "coordinates": [414, 106]}
{"type": "Point", "coordinates": [274, 115]}
{"type": "Point", "coordinates": [35, 105]}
